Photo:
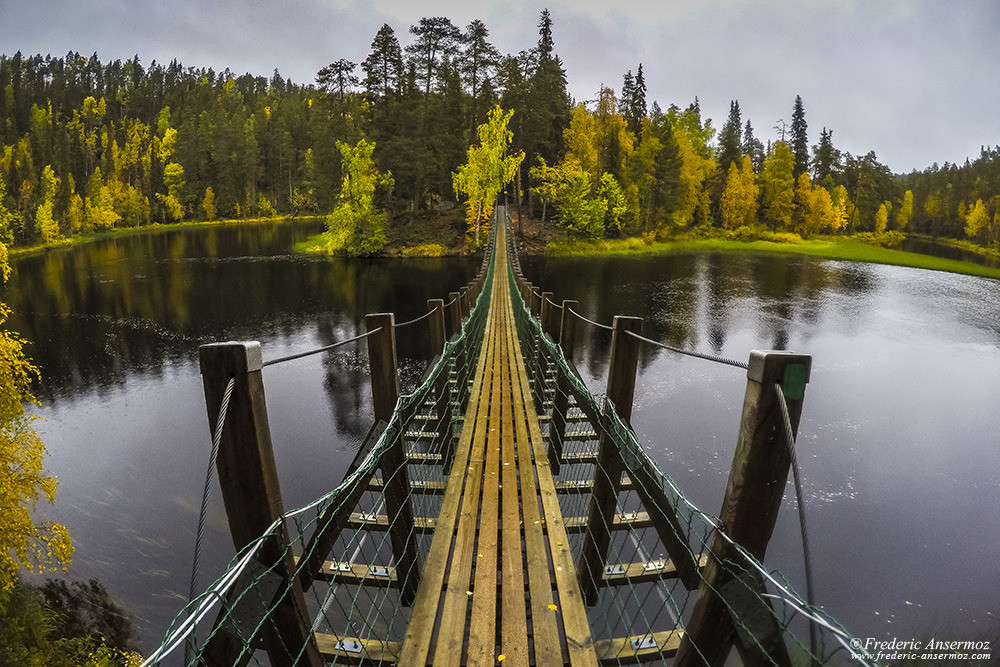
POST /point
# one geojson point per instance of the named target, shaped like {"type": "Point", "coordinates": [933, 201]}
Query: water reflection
{"type": "Point", "coordinates": [697, 301]}
{"type": "Point", "coordinates": [898, 430]}
{"type": "Point", "coordinates": [899, 425]}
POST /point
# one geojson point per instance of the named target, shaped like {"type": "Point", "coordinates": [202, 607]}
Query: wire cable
{"type": "Point", "coordinates": [689, 353]}
{"type": "Point", "coordinates": [591, 322]}
{"type": "Point", "coordinates": [290, 357]}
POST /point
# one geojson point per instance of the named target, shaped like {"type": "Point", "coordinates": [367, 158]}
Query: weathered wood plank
{"type": "Point", "coordinates": [417, 640]}
{"type": "Point", "coordinates": [623, 651]}
{"type": "Point", "coordinates": [514, 628]}
{"type": "Point", "coordinates": [355, 651]}
{"type": "Point", "coordinates": [579, 642]}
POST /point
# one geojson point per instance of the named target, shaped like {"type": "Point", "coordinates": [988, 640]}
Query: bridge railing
{"type": "Point", "coordinates": [332, 581]}
{"type": "Point", "coordinates": [678, 582]}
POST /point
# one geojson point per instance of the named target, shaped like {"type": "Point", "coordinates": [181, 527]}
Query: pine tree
{"type": "Point", "coordinates": [800, 143]}
{"type": "Point", "coordinates": [826, 158]}
{"type": "Point", "coordinates": [437, 39]}
{"type": "Point", "coordinates": [628, 101]}
{"type": "Point", "coordinates": [730, 141]}
{"type": "Point", "coordinates": [383, 67]}
{"type": "Point", "coordinates": [477, 64]}
{"type": "Point", "coordinates": [639, 107]}
{"type": "Point", "coordinates": [338, 77]}
{"type": "Point", "coordinates": [753, 148]}
{"type": "Point", "coordinates": [545, 43]}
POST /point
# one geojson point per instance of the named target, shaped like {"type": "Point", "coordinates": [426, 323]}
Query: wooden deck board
{"type": "Point", "coordinates": [499, 525]}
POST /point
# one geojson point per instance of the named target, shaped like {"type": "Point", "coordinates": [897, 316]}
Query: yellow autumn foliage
{"type": "Point", "coordinates": [26, 540]}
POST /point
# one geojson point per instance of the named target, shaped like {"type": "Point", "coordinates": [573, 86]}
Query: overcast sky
{"type": "Point", "coordinates": [916, 81]}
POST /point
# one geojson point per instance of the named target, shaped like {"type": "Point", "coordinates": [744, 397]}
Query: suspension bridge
{"type": "Point", "coordinates": [501, 511]}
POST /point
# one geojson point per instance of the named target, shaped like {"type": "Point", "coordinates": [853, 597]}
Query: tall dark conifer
{"type": "Point", "coordinates": [826, 158]}
{"type": "Point", "coordinates": [753, 148]}
{"type": "Point", "coordinates": [384, 65]}
{"type": "Point", "coordinates": [730, 141]}
{"type": "Point", "coordinates": [800, 143]}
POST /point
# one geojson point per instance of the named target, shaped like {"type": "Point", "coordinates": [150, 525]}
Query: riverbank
{"type": "Point", "coordinates": [825, 247]}
{"type": "Point", "coordinates": [81, 239]}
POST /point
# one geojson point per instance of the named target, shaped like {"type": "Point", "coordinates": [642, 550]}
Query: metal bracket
{"type": "Point", "coordinates": [349, 646]}
{"type": "Point", "coordinates": [367, 517]}
{"type": "Point", "coordinates": [379, 571]}
{"type": "Point", "coordinates": [614, 570]}
{"type": "Point", "coordinates": [643, 643]}
{"type": "Point", "coordinates": [654, 565]}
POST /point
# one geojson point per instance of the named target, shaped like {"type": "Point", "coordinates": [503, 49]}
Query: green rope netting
{"type": "Point", "coordinates": [357, 537]}
{"type": "Point", "coordinates": [761, 602]}
{"type": "Point", "coordinates": [355, 607]}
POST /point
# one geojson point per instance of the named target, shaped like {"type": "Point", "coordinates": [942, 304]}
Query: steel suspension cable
{"type": "Point", "coordinates": [414, 320]}
{"type": "Point", "coordinates": [689, 353]}
{"type": "Point", "coordinates": [213, 456]}
{"type": "Point", "coordinates": [591, 322]}
{"type": "Point", "coordinates": [290, 357]}
{"type": "Point", "coordinates": [800, 501]}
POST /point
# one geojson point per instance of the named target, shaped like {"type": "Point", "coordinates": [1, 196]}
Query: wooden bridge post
{"type": "Point", "coordinates": [567, 328]}
{"type": "Point", "coordinates": [250, 491]}
{"type": "Point", "coordinates": [608, 473]}
{"type": "Point", "coordinates": [546, 314]}
{"type": "Point", "coordinates": [442, 388]}
{"type": "Point", "coordinates": [454, 313]}
{"type": "Point", "coordinates": [749, 511]}
{"type": "Point", "coordinates": [436, 326]}
{"type": "Point", "coordinates": [560, 402]}
{"type": "Point", "coordinates": [536, 301]}
{"type": "Point", "coordinates": [385, 393]}
{"type": "Point", "coordinates": [464, 300]}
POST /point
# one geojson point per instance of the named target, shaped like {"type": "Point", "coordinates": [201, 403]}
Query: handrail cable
{"type": "Point", "coordinates": [290, 357]}
{"type": "Point", "coordinates": [790, 439]}
{"type": "Point", "coordinates": [415, 320]}
{"type": "Point", "coordinates": [203, 513]}
{"type": "Point", "coordinates": [591, 322]}
{"type": "Point", "coordinates": [689, 353]}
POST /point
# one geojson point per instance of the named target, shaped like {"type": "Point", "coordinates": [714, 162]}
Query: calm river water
{"type": "Point", "coordinates": [898, 442]}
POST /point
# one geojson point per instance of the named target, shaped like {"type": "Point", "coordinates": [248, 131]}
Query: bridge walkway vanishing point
{"type": "Point", "coordinates": [500, 511]}
{"type": "Point", "coordinates": [500, 540]}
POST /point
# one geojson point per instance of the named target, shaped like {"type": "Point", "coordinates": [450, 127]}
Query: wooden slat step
{"type": "Point", "coordinates": [357, 573]}
{"type": "Point", "coordinates": [579, 436]}
{"type": "Point", "coordinates": [637, 573]}
{"type": "Point", "coordinates": [423, 458]}
{"type": "Point", "coordinates": [418, 486]}
{"type": "Point", "coordinates": [570, 458]}
{"type": "Point", "coordinates": [570, 419]}
{"type": "Point", "coordinates": [578, 524]}
{"type": "Point", "coordinates": [380, 522]}
{"type": "Point", "coordinates": [421, 435]}
{"type": "Point", "coordinates": [587, 485]}
{"type": "Point", "coordinates": [355, 651]}
{"type": "Point", "coordinates": [634, 650]}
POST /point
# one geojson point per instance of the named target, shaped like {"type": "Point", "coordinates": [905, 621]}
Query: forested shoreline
{"type": "Point", "coordinates": [88, 146]}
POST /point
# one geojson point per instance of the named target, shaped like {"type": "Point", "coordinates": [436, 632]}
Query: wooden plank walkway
{"type": "Point", "coordinates": [499, 578]}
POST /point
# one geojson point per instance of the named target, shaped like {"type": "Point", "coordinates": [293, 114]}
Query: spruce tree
{"type": "Point", "coordinates": [826, 158]}
{"type": "Point", "coordinates": [800, 144]}
{"type": "Point", "coordinates": [730, 145]}
{"type": "Point", "coordinates": [753, 148]}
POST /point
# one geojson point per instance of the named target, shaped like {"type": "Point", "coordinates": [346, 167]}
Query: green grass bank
{"type": "Point", "coordinates": [825, 247]}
